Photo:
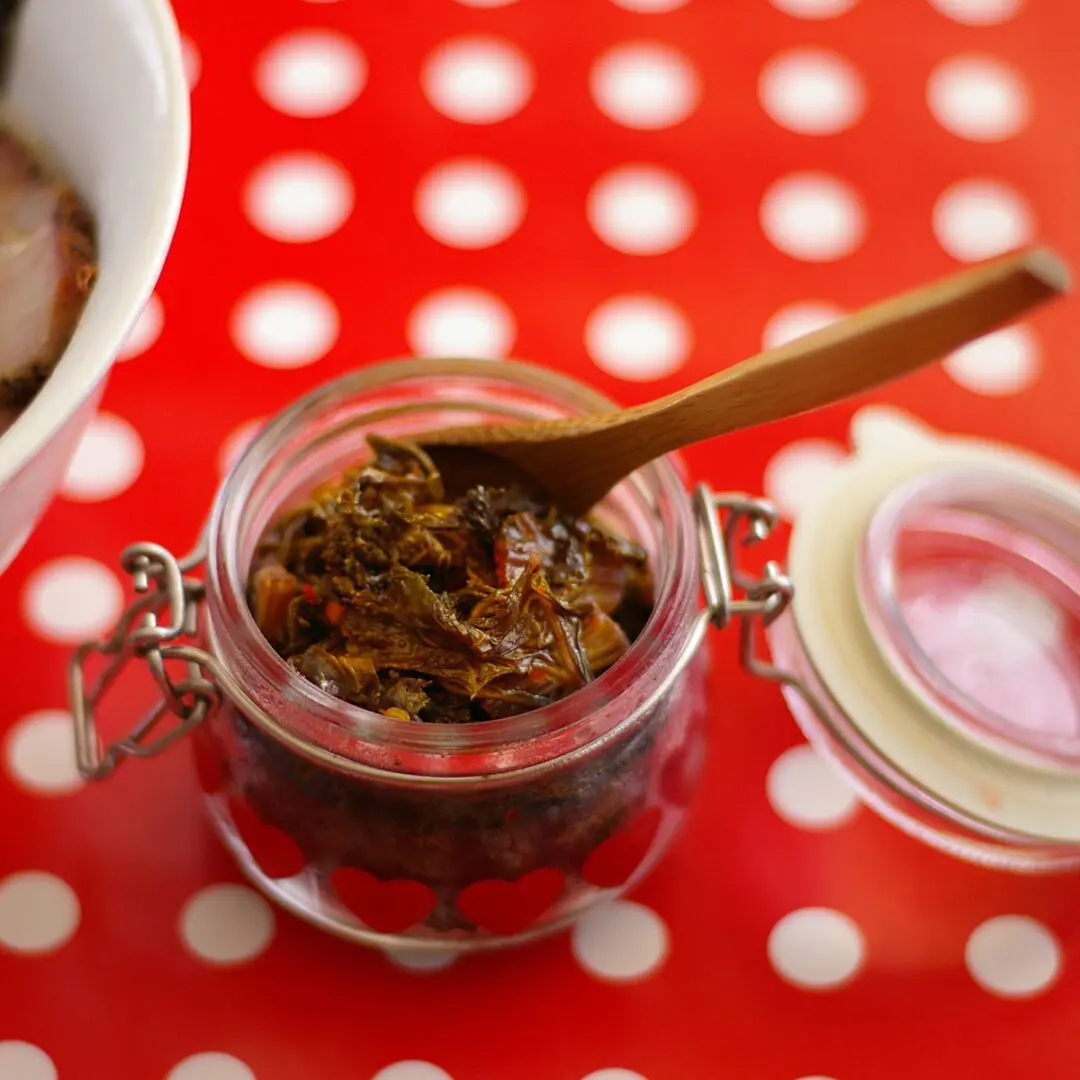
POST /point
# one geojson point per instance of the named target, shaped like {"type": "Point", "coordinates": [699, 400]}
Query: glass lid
{"type": "Point", "coordinates": [971, 582]}
{"type": "Point", "coordinates": [937, 603]}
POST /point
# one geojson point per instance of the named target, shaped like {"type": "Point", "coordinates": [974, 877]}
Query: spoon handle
{"type": "Point", "coordinates": [871, 347]}
{"type": "Point", "coordinates": [588, 455]}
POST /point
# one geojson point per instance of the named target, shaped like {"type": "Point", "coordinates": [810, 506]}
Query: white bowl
{"type": "Point", "coordinates": [98, 86]}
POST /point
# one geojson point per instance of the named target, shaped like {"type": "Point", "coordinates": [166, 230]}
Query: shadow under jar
{"type": "Point", "coordinates": [451, 835]}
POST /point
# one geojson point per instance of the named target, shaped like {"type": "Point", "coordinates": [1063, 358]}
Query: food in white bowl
{"type": "Point", "coordinates": [47, 268]}
{"type": "Point", "coordinates": [96, 89]}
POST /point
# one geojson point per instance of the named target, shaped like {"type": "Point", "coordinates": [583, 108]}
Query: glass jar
{"type": "Point", "coordinates": [958, 722]}
{"type": "Point", "coordinates": [454, 836]}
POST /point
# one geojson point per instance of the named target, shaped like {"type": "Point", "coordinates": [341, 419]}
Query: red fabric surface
{"type": "Point", "coordinates": [123, 997]}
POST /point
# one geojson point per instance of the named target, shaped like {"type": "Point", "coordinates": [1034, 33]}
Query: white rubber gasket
{"type": "Point", "coordinates": [1004, 792]}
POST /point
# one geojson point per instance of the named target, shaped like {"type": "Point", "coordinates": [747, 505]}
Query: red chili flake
{"type": "Point", "coordinates": [309, 594]}
{"type": "Point", "coordinates": [334, 612]}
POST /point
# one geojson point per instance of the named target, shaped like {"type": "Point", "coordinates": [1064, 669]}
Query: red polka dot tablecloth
{"type": "Point", "coordinates": [638, 192]}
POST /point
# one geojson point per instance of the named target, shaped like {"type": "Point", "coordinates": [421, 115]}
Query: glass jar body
{"type": "Point", "coordinates": [394, 863]}
{"type": "Point", "coordinates": [454, 836]}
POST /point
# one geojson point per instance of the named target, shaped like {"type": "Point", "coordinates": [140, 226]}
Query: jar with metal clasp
{"type": "Point", "coordinates": [452, 836]}
{"type": "Point", "coordinates": [901, 656]}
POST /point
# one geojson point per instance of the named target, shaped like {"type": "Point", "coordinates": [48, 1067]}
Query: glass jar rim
{"type": "Point", "coordinates": [553, 731]}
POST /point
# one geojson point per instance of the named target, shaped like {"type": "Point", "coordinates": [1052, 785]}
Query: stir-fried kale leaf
{"type": "Point", "coordinates": [385, 594]}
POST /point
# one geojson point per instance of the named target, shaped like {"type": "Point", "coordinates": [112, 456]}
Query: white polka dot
{"type": "Point", "coordinates": [812, 91]}
{"type": "Point", "coordinates": [813, 217]}
{"type": "Point", "coordinates": [808, 791]}
{"type": "Point", "coordinates": [797, 320]}
{"type": "Point", "coordinates": [815, 1077]}
{"type": "Point", "coordinates": [192, 61]}
{"type": "Point", "coordinates": [814, 9]}
{"type": "Point", "coordinates": [421, 960]}
{"type": "Point", "coordinates": [211, 1066]}
{"type": "Point", "coordinates": [146, 331]}
{"type": "Point", "coordinates": [642, 209]}
{"type": "Point", "coordinates": [978, 219]}
{"type": "Point", "coordinates": [236, 442]}
{"type": "Point", "coordinates": [285, 325]}
{"type": "Point", "coordinates": [638, 337]}
{"type": "Point", "coordinates": [40, 753]}
{"type": "Point", "coordinates": [795, 474]}
{"type": "Point", "coordinates": [978, 12]}
{"type": "Point", "coordinates": [412, 1070]}
{"type": "Point", "coordinates": [226, 924]}
{"type": "Point", "coordinates": [614, 1074]}
{"type": "Point", "coordinates": [1002, 363]}
{"type": "Point", "coordinates": [299, 197]}
{"type": "Point", "coordinates": [38, 912]}
{"type": "Point", "coordinates": [24, 1061]}
{"type": "Point", "coordinates": [311, 73]}
{"type": "Point", "coordinates": [645, 85]}
{"type": "Point", "coordinates": [1013, 956]}
{"type": "Point", "coordinates": [978, 98]}
{"type": "Point", "coordinates": [816, 948]}
{"type": "Point", "coordinates": [470, 203]}
{"type": "Point", "coordinates": [886, 425]}
{"type": "Point", "coordinates": [107, 461]}
{"type": "Point", "coordinates": [620, 942]}
{"type": "Point", "coordinates": [477, 80]}
{"type": "Point", "coordinates": [71, 599]}
{"type": "Point", "coordinates": [461, 322]}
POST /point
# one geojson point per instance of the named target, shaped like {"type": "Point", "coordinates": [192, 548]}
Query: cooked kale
{"type": "Point", "coordinates": [385, 593]}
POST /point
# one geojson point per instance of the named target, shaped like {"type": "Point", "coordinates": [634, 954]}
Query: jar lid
{"type": "Point", "coordinates": [937, 597]}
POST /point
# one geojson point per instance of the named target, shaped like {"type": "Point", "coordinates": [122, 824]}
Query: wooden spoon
{"type": "Point", "coordinates": [579, 460]}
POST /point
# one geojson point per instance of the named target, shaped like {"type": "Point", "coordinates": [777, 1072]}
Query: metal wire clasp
{"type": "Point", "coordinates": [728, 523]}
{"type": "Point", "coordinates": [164, 590]}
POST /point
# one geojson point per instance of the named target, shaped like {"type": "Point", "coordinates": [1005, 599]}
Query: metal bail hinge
{"type": "Point", "coordinates": [164, 590]}
{"type": "Point", "coordinates": [727, 524]}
